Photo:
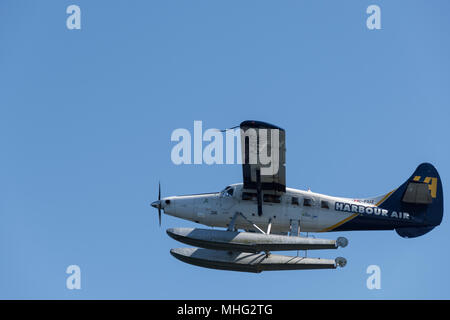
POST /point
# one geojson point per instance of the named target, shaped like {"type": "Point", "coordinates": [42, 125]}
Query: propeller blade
{"type": "Point", "coordinates": [159, 204]}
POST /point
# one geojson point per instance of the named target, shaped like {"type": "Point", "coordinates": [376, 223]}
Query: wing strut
{"type": "Point", "coordinates": [269, 227]}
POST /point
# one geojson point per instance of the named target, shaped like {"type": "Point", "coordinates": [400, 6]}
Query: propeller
{"type": "Point", "coordinates": [157, 204]}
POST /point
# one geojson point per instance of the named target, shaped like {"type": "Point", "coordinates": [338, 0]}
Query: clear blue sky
{"type": "Point", "coordinates": [86, 117]}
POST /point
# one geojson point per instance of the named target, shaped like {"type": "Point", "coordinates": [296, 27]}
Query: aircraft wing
{"type": "Point", "coordinates": [263, 153]}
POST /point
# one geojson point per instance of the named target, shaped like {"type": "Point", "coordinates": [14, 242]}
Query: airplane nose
{"type": "Point", "coordinates": [155, 204]}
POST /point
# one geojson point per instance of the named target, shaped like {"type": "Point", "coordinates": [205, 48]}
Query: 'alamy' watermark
{"type": "Point", "coordinates": [74, 280]}
{"type": "Point", "coordinates": [374, 280]}
{"type": "Point", "coordinates": [74, 20]}
{"type": "Point", "coordinates": [373, 22]}
{"type": "Point", "coordinates": [259, 145]}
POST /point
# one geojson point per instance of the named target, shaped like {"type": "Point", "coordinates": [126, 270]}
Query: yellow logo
{"type": "Point", "coordinates": [432, 184]}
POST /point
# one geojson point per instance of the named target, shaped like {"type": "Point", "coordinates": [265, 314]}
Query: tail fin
{"type": "Point", "coordinates": [422, 197]}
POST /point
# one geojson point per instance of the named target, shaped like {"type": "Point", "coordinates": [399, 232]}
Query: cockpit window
{"type": "Point", "coordinates": [228, 192]}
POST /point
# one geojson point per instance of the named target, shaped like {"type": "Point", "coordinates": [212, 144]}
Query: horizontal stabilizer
{"type": "Point", "coordinates": [417, 193]}
{"type": "Point", "coordinates": [413, 232]}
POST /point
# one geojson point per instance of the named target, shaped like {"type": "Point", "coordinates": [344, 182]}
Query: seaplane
{"type": "Point", "coordinates": [253, 219]}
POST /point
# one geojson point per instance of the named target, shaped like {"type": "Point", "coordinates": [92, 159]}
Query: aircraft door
{"type": "Point", "coordinates": [309, 213]}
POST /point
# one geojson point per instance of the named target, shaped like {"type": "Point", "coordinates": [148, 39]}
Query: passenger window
{"type": "Point", "coordinates": [307, 202]}
{"type": "Point", "coordinates": [324, 205]}
{"type": "Point", "coordinates": [295, 201]}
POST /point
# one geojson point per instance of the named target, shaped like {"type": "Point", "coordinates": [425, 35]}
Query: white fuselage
{"type": "Point", "coordinates": [312, 212]}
